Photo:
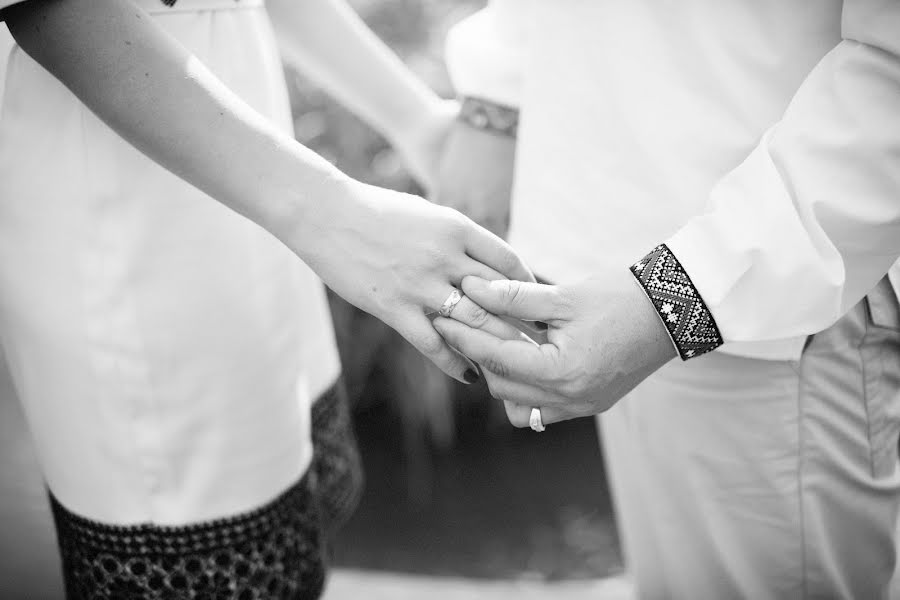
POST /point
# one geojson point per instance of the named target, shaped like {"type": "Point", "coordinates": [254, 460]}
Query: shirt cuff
{"type": "Point", "coordinates": [678, 303]}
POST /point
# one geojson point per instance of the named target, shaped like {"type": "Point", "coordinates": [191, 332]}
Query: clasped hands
{"type": "Point", "coordinates": [602, 338]}
{"type": "Point", "coordinates": [399, 257]}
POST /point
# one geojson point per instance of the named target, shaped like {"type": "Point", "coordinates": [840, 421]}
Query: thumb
{"type": "Point", "coordinates": [518, 299]}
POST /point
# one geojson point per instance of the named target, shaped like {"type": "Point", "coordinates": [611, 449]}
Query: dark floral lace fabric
{"type": "Point", "coordinates": [273, 552]}
{"type": "Point", "coordinates": [337, 465]}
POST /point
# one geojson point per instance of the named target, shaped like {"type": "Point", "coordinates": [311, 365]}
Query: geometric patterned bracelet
{"type": "Point", "coordinates": [687, 319]}
{"type": "Point", "coordinates": [489, 116]}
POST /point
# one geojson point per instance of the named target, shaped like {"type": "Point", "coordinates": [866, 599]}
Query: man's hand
{"type": "Point", "coordinates": [604, 338]}
{"type": "Point", "coordinates": [475, 176]}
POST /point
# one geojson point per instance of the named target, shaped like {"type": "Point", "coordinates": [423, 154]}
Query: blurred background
{"type": "Point", "coordinates": [452, 488]}
{"type": "Point", "coordinates": [458, 503]}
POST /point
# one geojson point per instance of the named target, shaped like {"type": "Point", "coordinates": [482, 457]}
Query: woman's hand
{"type": "Point", "coordinates": [399, 257]}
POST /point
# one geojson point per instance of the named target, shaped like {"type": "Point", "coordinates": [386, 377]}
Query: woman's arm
{"type": "Point", "coordinates": [326, 40]}
{"type": "Point", "coordinates": [393, 255]}
{"type": "Point", "coordinates": [164, 101]}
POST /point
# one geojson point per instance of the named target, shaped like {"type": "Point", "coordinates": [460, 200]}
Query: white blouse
{"type": "Point", "coordinates": [166, 350]}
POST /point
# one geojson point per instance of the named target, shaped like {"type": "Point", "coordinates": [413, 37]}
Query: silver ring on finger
{"type": "Point", "coordinates": [536, 421]}
{"type": "Point", "coordinates": [450, 303]}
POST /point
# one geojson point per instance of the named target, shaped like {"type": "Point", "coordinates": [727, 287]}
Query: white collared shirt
{"type": "Point", "coordinates": [759, 139]}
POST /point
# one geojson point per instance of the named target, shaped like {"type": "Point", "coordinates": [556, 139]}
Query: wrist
{"type": "Point", "coordinates": [677, 303]}
{"type": "Point", "coordinates": [660, 347]}
{"type": "Point", "coordinates": [308, 208]}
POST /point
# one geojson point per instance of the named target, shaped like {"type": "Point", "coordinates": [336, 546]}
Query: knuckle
{"type": "Point", "coordinates": [495, 366]}
{"type": "Point", "coordinates": [574, 385]}
{"type": "Point", "coordinates": [429, 344]}
{"type": "Point", "coordinates": [521, 292]}
{"type": "Point", "coordinates": [581, 387]}
{"type": "Point", "coordinates": [507, 259]}
{"type": "Point", "coordinates": [512, 292]}
{"type": "Point", "coordinates": [567, 388]}
{"type": "Point", "coordinates": [435, 254]}
{"type": "Point", "coordinates": [441, 261]}
{"type": "Point", "coordinates": [478, 317]}
{"type": "Point", "coordinates": [558, 372]}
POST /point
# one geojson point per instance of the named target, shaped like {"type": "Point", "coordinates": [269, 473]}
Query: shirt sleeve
{"type": "Point", "coordinates": [808, 224]}
{"type": "Point", "coordinates": [485, 53]}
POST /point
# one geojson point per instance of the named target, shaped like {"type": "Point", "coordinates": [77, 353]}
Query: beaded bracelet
{"type": "Point", "coordinates": [684, 313]}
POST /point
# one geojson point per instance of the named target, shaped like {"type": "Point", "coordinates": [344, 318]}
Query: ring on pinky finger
{"type": "Point", "coordinates": [519, 415]}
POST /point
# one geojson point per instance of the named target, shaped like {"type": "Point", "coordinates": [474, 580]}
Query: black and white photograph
{"type": "Point", "coordinates": [449, 299]}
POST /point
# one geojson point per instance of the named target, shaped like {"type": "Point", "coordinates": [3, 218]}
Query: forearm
{"type": "Point", "coordinates": [157, 96]}
{"type": "Point", "coordinates": [486, 53]}
{"type": "Point", "coordinates": [328, 41]}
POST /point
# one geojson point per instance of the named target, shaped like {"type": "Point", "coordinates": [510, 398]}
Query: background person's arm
{"type": "Point", "coordinates": [327, 41]}
{"type": "Point", "coordinates": [393, 255]}
{"type": "Point", "coordinates": [463, 167]}
{"type": "Point", "coordinates": [485, 58]}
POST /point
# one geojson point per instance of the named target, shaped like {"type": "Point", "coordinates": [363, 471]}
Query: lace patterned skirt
{"type": "Point", "coordinates": [278, 551]}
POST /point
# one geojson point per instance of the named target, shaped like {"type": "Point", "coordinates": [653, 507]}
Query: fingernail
{"type": "Point", "coordinates": [470, 376]}
{"type": "Point", "coordinates": [541, 326]}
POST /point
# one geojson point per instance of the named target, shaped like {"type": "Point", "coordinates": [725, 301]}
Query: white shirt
{"type": "Point", "coordinates": [759, 139]}
{"type": "Point", "coordinates": [6, 44]}
{"type": "Point", "coordinates": [166, 350]}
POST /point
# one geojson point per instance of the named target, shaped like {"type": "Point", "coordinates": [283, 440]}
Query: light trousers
{"type": "Point", "coordinates": [741, 478]}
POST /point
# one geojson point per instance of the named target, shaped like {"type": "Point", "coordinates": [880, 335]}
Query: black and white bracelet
{"type": "Point", "coordinates": [489, 116]}
{"type": "Point", "coordinates": [687, 318]}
